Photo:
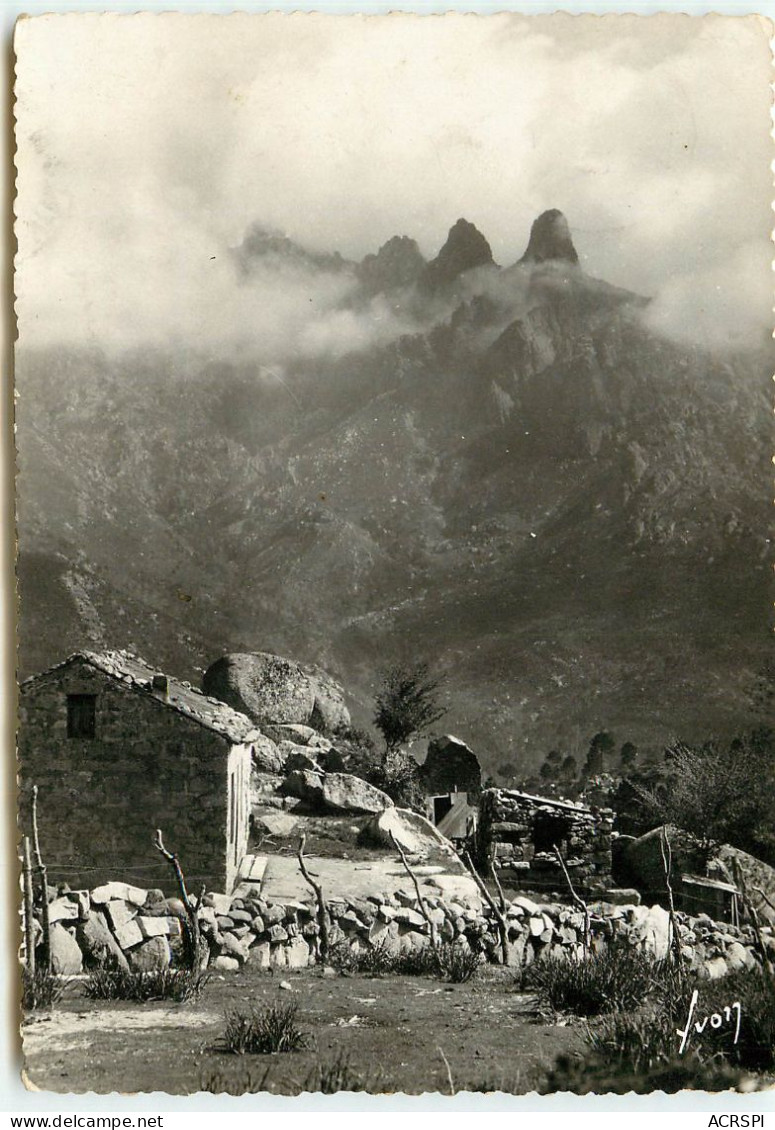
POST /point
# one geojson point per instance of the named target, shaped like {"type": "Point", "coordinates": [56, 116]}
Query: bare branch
{"type": "Point", "coordinates": [575, 896]}
{"type": "Point", "coordinates": [449, 1071]}
{"type": "Point", "coordinates": [667, 864]}
{"type": "Point", "coordinates": [322, 909]}
{"type": "Point", "coordinates": [196, 949]}
{"type": "Point", "coordinates": [41, 869]}
{"type": "Point", "coordinates": [29, 918]}
{"type": "Point", "coordinates": [500, 917]}
{"type": "Point", "coordinates": [421, 901]}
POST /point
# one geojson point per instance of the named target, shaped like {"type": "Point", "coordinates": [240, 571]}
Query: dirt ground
{"type": "Point", "coordinates": [409, 1034]}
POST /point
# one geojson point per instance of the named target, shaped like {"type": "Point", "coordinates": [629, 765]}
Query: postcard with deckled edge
{"type": "Point", "coordinates": [393, 508]}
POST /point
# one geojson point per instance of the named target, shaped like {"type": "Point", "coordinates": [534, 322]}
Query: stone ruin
{"type": "Point", "coordinates": [518, 833]}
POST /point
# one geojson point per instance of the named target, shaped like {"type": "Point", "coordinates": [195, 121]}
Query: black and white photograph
{"type": "Point", "coordinates": [394, 493]}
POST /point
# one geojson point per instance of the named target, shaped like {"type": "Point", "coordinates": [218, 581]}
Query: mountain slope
{"type": "Point", "coordinates": [564, 512]}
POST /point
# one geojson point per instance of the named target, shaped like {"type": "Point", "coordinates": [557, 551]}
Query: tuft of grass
{"type": "Point", "coordinates": [452, 961]}
{"type": "Point", "coordinates": [264, 1031]}
{"type": "Point", "coordinates": [639, 1051]}
{"type": "Point", "coordinates": [593, 1074]}
{"type": "Point", "coordinates": [247, 1083]}
{"type": "Point", "coordinates": [457, 963]}
{"type": "Point", "coordinates": [109, 983]}
{"type": "Point", "coordinates": [372, 961]}
{"type": "Point", "coordinates": [329, 1077]}
{"type": "Point", "coordinates": [754, 988]}
{"type": "Point", "coordinates": [618, 977]}
{"type": "Point", "coordinates": [41, 989]}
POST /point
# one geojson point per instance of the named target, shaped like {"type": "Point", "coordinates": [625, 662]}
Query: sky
{"type": "Point", "coordinates": [148, 145]}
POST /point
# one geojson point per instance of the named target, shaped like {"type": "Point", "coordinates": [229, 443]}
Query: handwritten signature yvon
{"type": "Point", "coordinates": [716, 1020]}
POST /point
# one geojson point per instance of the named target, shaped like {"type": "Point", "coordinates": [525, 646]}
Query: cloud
{"type": "Point", "coordinates": [149, 144]}
{"type": "Point", "coordinates": [726, 306]}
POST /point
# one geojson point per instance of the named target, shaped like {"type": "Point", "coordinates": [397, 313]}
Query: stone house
{"type": "Point", "coordinates": [518, 832]}
{"type": "Point", "coordinates": [117, 750]}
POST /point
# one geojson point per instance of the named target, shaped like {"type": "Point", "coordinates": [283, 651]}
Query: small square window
{"type": "Point", "coordinates": [81, 715]}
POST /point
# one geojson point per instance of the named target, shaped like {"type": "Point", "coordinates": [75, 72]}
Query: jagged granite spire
{"type": "Point", "coordinates": [550, 238]}
{"type": "Point", "coordinates": [398, 262]}
{"type": "Point", "coordinates": [465, 249]}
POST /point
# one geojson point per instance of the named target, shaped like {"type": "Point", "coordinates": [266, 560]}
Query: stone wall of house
{"type": "Point", "coordinates": [517, 833]}
{"type": "Point", "coordinates": [101, 799]}
{"type": "Point", "coordinates": [141, 930]}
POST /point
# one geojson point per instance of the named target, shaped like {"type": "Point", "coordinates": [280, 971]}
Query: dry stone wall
{"type": "Point", "coordinates": [516, 831]}
{"type": "Point", "coordinates": [141, 929]}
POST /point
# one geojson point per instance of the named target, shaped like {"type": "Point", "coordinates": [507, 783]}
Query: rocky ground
{"type": "Point", "coordinates": [393, 1034]}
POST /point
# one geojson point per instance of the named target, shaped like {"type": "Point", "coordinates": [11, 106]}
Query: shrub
{"type": "Point", "coordinates": [40, 989]}
{"type": "Point", "coordinates": [407, 704]}
{"type": "Point", "coordinates": [640, 1051]}
{"type": "Point", "coordinates": [595, 1075]}
{"type": "Point", "coordinates": [617, 977]}
{"type": "Point", "coordinates": [110, 983]}
{"type": "Point", "coordinates": [754, 988]}
{"type": "Point", "coordinates": [262, 1032]}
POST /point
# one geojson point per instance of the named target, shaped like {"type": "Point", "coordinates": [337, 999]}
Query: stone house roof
{"type": "Point", "coordinates": [573, 808]}
{"type": "Point", "coordinates": [177, 695]}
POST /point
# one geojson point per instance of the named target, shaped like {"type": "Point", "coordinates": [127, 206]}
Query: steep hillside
{"type": "Point", "coordinates": [522, 483]}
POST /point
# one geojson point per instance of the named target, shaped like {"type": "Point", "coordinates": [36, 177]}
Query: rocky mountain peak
{"type": "Point", "coordinates": [399, 262]}
{"type": "Point", "coordinates": [261, 245]}
{"type": "Point", "coordinates": [465, 249]}
{"type": "Point", "coordinates": [550, 238]}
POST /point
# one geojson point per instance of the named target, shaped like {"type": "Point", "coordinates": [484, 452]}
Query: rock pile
{"type": "Point", "coordinates": [141, 930]}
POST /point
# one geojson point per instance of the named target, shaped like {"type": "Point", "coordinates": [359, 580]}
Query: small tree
{"type": "Point", "coordinates": [628, 755]}
{"type": "Point", "coordinates": [601, 744]}
{"type": "Point", "coordinates": [407, 704]}
{"type": "Point", "coordinates": [721, 794]}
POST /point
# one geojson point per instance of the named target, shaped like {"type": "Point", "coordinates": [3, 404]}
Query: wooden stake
{"type": "Point", "coordinates": [753, 915]}
{"type": "Point", "coordinates": [500, 917]}
{"type": "Point", "coordinates": [195, 947]}
{"type": "Point", "coordinates": [41, 869]}
{"type": "Point", "coordinates": [575, 897]}
{"type": "Point", "coordinates": [29, 919]}
{"type": "Point", "coordinates": [322, 909]}
{"type": "Point", "coordinates": [667, 864]}
{"type": "Point", "coordinates": [420, 900]}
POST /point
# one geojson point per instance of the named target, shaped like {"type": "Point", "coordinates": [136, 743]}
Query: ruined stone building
{"type": "Point", "coordinates": [118, 750]}
{"type": "Point", "coordinates": [519, 832]}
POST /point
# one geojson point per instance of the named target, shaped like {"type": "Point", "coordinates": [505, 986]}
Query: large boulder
{"type": "Point", "coordinates": [274, 691]}
{"type": "Point", "coordinates": [641, 862]}
{"type": "Point", "coordinates": [342, 792]}
{"type": "Point", "coordinates": [757, 877]}
{"type": "Point", "coordinates": [305, 785]}
{"type": "Point", "coordinates": [97, 943]}
{"type": "Point", "coordinates": [451, 766]}
{"type": "Point", "coordinates": [267, 757]}
{"type": "Point", "coordinates": [150, 956]}
{"type": "Point", "coordinates": [412, 832]}
{"type": "Point", "coordinates": [66, 956]}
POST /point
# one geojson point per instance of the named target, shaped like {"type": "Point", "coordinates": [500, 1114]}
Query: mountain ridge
{"type": "Point", "coordinates": [564, 512]}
